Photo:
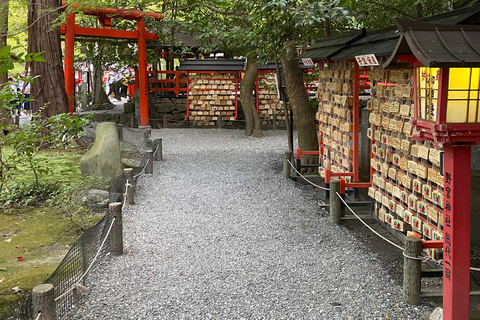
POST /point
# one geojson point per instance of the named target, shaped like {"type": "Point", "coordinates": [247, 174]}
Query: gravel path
{"type": "Point", "coordinates": [218, 233]}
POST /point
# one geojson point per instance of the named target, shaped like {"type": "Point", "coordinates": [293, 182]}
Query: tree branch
{"type": "Point", "coordinates": [392, 8]}
{"type": "Point", "coordinates": [201, 5]}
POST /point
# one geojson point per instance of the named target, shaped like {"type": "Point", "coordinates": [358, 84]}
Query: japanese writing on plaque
{"type": "Point", "coordinates": [447, 254]}
{"type": "Point", "coordinates": [367, 60]}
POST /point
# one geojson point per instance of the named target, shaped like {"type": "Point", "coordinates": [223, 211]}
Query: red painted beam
{"type": "Point", "coordinates": [114, 13]}
{"type": "Point", "coordinates": [341, 174]}
{"type": "Point", "coordinates": [432, 244]}
{"type": "Point", "coordinates": [69, 68]}
{"type": "Point", "coordinates": [310, 152]}
{"type": "Point", "coordinates": [103, 33]}
{"type": "Point", "coordinates": [358, 184]}
{"type": "Point", "coordinates": [342, 186]}
{"type": "Point", "coordinates": [328, 173]}
{"type": "Point", "coordinates": [142, 72]}
{"type": "Point", "coordinates": [456, 234]}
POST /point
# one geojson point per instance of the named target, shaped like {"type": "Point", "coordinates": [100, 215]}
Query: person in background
{"type": "Point", "coordinates": [110, 82]}
{"type": "Point", "coordinates": [15, 91]}
{"type": "Point", "coordinates": [118, 84]}
{"type": "Point", "coordinates": [26, 94]}
{"type": "Point", "coordinates": [124, 86]}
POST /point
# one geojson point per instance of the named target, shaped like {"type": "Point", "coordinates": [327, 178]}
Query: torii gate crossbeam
{"type": "Point", "coordinates": [70, 30]}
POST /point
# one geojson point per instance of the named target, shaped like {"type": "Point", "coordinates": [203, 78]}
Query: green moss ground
{"type": "Point", "coordinates": [42, 237]}
{"type": "Point", "coordinates": [39, 234]}
{"type": "Point", "coordinates": [64, 165]}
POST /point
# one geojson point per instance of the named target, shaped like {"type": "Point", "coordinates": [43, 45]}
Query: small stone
{"type": "Point", "coordinates": [437, 314]}
{"type": "Point", "coordinates": [16, 290]}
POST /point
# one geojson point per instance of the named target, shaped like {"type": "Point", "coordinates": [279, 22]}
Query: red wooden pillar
{"type": "Point", "coordinates": [69, 70]}
{"type": "Point", "coordinates": [456, 247]}
{"type": "Point", "coordinates": [355, 118]}
{"type": "Point", "coordinates": [142, 73]}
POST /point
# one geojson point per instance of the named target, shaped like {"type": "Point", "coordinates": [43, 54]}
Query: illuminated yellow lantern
{"type": "Point", "coordinates": [446, 62]}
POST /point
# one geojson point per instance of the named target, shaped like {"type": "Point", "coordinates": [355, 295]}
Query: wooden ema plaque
{"type": "Point", "coordinates": [268, 101]}
{"type": "Point", "coordinates": [212, 95]}
{"type": "Point", "coordinates": [407, 188]}
{"type": "Point", "coordinates": [335, 117]}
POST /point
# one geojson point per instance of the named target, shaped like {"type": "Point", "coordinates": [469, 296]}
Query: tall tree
{"type": "Point", "coordinates": [376, 14]}
{"type": "Point", "coordinates": [5, 117]}
{"type": "Point", "coordinates": [43, 36]}
{"type": "Point", "coordinates": [223, 25]}
{"type": "Point", "coordinates": [286, 25]}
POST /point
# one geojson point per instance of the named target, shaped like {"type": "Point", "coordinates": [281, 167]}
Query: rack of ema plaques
{"type": "Point", "coordinates": [268, 103]}
{"type": "Point", "coordinates": [335, 96]}
{"type": "Point", "coordinates": [212, 95]}
{"type": "Point", "coordinates": [407, 184]}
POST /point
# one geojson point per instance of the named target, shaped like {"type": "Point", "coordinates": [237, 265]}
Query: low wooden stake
{"type": "Point", "coordinates": [116, 234]}
{"type": "Point", "coordinates": [335, 202]}
{"type": "Point", "coordinates": [149, 165]}
{"type": "Point", "coordinates": [411, 271]}
{"type": "Point", "coordinates": [43, 300]}
{"type": "Point", "coordinates": [158, 150]}
{"type": "Point", "coordinates": [286, 165]}
{"type": "Point", "coordinates": [130, 189]}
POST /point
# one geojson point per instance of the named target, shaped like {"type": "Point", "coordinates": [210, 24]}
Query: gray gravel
{"type": "Point", "coordinates": [218, 233]}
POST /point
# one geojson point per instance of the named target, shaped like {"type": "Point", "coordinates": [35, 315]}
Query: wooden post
{"type": "Point", "coordinates": [149, 165]}
{"type": "Point", "coordinates": [456, 223]}
{"type": "Point", "coordinates": [219, 121]}
{"type": "Point", "coordinates": [120, 132]}
{"type": "Point", "coordinates": [286, 165]}
{"type": "Point", "coordinates": [411, 271]}
{"type": "Point", "coordinates": [43, 300]}
{"type": "Point", "coordinates": [335, 202]}
{"type": "Point", "coordinates": [158, 150]}
{"type": "Point", "coordinates": [298, 156]}
{"type": "Point", "coordinates": [17, 119]}
{"type": "Point", "coordinates": [130, 189]}
{"type": "Point", "coordinates": [274, 124]}
{"type": "Point", "coordinates": [165, 122]}
{"type": "Point", "coordinates": [116, 234]}
{"type": "Point", "coordinates": [147, 134]}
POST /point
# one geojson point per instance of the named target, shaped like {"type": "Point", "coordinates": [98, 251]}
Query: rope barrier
{"type": "Point", "coordinates": [155, 153]}
{"type": "Point", "coordinates": [91, 264]}
{"type": "Point", "coordinates": [366, 225]}
{"type": "Point", "coordinates": [313, 184]}
{"type": "Point", "coordinates": [143, 170]}
{"type": "Point", "coordinates": [423, 259]}
{"type": "Point", "coordinates": [127, 185]}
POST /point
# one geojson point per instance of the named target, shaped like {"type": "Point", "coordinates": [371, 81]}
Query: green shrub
{"type": "Point", "coordinates": [29, 194]}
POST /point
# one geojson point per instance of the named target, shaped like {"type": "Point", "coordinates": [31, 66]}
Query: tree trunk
{"type": "Point", "coordinates": [100, 98]}
{"type": "Point", "coordinates": [253, 125]}
{"type": "Point", "coordinates": [304, 115]}
{"type": "Point", "coordinates": [5, 116]}
{"type": "Point", "coordinates": [48, 89]}
{"type": "Point", "coordinates": [418, 11]}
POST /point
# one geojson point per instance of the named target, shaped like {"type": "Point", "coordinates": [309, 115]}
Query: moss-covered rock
{"type": "Point", "coordinates": [103, 159]}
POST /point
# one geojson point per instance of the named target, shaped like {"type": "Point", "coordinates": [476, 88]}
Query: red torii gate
{"type": "Point", "coordinates": [105, 15]}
